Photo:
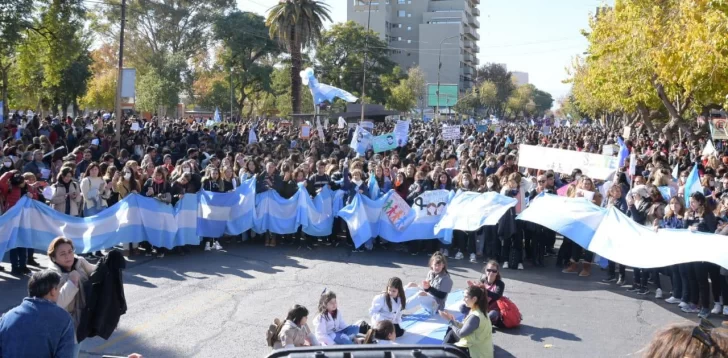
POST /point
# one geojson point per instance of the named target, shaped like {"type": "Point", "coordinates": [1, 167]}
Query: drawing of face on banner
{"type": "Point", "coordinates": [431, 205]}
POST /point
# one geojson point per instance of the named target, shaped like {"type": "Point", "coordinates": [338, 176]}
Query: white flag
{"type": "Point", "coordinates": [342, 122]}
{"type": "Point", "coordinates": [320, 129]}
{"type": "Point", "coordinates": [709, 148]}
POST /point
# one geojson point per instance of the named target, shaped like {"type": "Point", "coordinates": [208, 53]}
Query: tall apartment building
{"type": "Point", "coordinates": [416, 30]}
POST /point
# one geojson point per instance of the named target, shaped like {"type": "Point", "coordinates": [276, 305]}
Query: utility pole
{"type": "Point", "coordinates": [231, 94]}
{"type": "Point", "coordinates": [364, 64]}
{"type": "Point", "coordinates": [439, 66]}
{"type": "Point", "coordinates": [119, 80]}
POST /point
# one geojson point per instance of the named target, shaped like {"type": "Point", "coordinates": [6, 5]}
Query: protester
{"type": "Point", "coordinates": [432, 293]}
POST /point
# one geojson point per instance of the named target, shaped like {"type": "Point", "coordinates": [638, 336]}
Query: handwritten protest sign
{"type": "Point", "coordinates": [451, 132]}
{"type": "Point", "coordinates": [305, 131]}
{"type": "Point", "coordinates": [565, 161]}
{"type": "Point", "coordinates": [401, 131]}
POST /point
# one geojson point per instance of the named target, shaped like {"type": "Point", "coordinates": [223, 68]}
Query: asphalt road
{"type": "Point", "coordinates": [219, 304]}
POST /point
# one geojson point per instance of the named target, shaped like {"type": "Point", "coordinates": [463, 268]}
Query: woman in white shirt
{"type": "Point", "coordinates": [389, 305]}
{"type": "Point", "coordinates": [330, 326]}
{"type": "Point", "coordinates": [94, 190]}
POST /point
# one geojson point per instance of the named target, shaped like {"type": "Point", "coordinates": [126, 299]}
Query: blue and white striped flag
{"type": "Point", "coordinates": [216, 118]}
{"type": "Point", "coordinates": [692, 185]}
{"type": "Point", "coordinates": [623, 152]}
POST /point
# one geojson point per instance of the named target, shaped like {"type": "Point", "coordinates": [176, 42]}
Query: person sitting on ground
{"type": "Point", "coordinates": [331, 329]}
{"type": "Point", "coordinates": [383, 333]}
{"type": "Point", "coordinates": [474, 335]}
{"type": "Point", "coordinates": [494, 287]}
{"type": "Point", "coordinates": [294, 332]}
{"type": "Point", "coordinates": [389, 305]}
{"type": "Point", "coordinates": [435, 288]}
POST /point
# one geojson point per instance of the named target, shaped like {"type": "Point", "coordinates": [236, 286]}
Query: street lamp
{"type": "Point", "coordinates": [364, 64]}
{"type": "Point", "coordinates": [439, 66]}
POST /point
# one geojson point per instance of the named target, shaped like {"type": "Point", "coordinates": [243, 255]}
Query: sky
{"type": "Point", "coordinates": [535, 36]}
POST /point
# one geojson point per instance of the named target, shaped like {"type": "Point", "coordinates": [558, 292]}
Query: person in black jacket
{"type": "Point", "coordinates": [105, 301]}
{"type": "Point", "coordinates": [541, 236]}
{"type": "Point", "coordinates": [638, 204]}
{"type": "Point", "coordinates": [700, 218]}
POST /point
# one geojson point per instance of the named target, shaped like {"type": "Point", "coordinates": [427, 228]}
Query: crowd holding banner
{"type": "Point", "coordinates": [455, 188]}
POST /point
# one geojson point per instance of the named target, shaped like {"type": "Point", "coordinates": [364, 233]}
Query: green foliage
{"type": "Point", "coordinates": [295, 24]}
{"type": "Point", "coordinates": [503, 81]}
{"type": "Point", "coordinates": [155, 90]}
{"type": "Point", "coordinates": [340, 61]}
{"type": "Point", "coordinates": [402, 98]}
{"type": "Point", "coordinates": [246, 49]}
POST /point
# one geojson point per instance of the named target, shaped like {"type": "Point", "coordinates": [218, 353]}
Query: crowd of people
{"type": "Point", "coordinates": [76, 166]}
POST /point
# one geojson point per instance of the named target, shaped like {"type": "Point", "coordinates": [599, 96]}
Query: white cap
{"type": "Point", "coordinates": [95, 142]}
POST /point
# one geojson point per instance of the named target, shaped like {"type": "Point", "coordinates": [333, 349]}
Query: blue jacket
{"type": "Point", "coordinates": [37, 328]}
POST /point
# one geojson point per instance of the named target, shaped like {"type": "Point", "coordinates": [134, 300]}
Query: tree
{"type": "Point", "coordinates": [14, 22]}
{"type": "Point", "coordinates": [297, 24]}
{"type": "Point", "coordinates": [101, 91]}
{"type": "Point", "coordinates": [53, 62]}
{"type": "Point", "coordinates": [402, 98]}
{"type": "Point", "coordinates": [418, 84]}
{"type": "Point", "coordinates": [468, 103]}
{"type": "Point", "coordinates": [245, 53]}
{"type": "Point", "coordinates": [520, 103]}
{"type": "Point", "coordinates": [543, 101]}
{"type": "Point", "coordinates": [283, 92]}
{"type": "Point", "coordinates": [488, 96]}
{"type": "Point", "coordinates": [645, 59]}
{"type": "Point", "coordinates": [340, 61]}
{"type": "Point", "coordinates": [503, 80]}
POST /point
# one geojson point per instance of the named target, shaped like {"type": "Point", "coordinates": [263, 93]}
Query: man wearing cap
{"type": "Point", "coordinates": [95, 151]}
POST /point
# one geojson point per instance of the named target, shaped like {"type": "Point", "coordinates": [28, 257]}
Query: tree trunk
{"type": "Point", "coordinates": [5, 92]}
{"type": "Point", "coordinates": [296, 64]}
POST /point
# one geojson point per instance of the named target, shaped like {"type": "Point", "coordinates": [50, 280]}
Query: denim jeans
{"type": "Point", "coordinates": [346, 335]}
{"type": "Point", "coordinates": [18, 258]}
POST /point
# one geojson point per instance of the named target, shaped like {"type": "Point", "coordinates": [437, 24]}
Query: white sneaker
{"type": "Point", "coordinates": [217, 246]}
{"type": "Point", "coordinates": [505, 265]}
{"type": "Point", "coordinates": [520, 266]}
{"type": "Point", "coordinates": [683, 304]}
{"type": "Point", "coordinates": [717, 308]}
{"type": "Point", "coordinates": [658, 294]}
{"type": "Point", "coordinates": [445, 253]}
{"type": "Point", "coordinates": [473, 259]}
{"type": "Point", "coordinates": [207, 246]}
{"type": "Point", "coordinates": [672, 300]}
{"type": "Point", "coordinates": [459, 256]}
{"type": "Point", "coordinates": [725, 310]}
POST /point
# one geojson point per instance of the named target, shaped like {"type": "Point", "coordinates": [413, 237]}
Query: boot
{"type": "Point", "coordinates": [267, 241]}
{"type": "Point", "coordinates": [585, 270]}
{"type": "Point", "coordinates": [272, 241]}
{"type": "Point", "coordinates": [572, 267]}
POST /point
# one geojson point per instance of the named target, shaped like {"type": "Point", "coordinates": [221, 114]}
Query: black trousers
{"type": "Point", "coordinates": [492, 244]}
{"type": "Point", "coordinates": [398, 330]}
{"type": "Point", "coordinates": [452, 338]}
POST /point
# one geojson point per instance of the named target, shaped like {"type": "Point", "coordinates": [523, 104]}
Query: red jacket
{"type": "Point", "coordinates": [10, 196]}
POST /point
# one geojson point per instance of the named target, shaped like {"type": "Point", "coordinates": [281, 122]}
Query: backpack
{"type": "Point", "coordinates": [510, 315]}
{"type": "Point", "coordinates": [271, 335]}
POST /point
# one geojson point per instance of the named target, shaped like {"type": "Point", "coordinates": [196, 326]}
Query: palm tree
{"type": "Point", "coordinates": [297, 23]}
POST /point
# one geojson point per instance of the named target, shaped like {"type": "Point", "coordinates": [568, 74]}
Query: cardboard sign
{"type": "Point", "coordinates": [451, 133]}
{"type": "Point", "coordinates": [305, 131]}
{"type": "Point", "coordinates": [396, 210]}
{"type": "Point", "coordinates": [626, 132]}
{"type": "Point", "coordinates": [401, 132]}
{"type": "Point", "coordinates": [384, 142]}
